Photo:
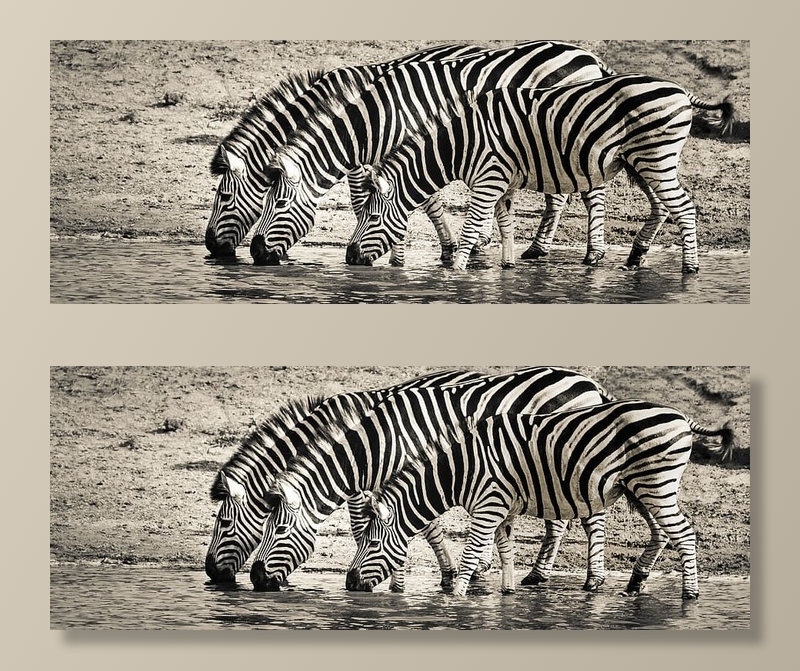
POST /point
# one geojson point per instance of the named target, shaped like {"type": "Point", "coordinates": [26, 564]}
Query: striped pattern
{"type": "Point", "coordinates": [241, 484]}
{"type": "Point", "coordinates": [242, 157]}
{"type": "Point", "coordinates": [557, 467]}
{"type": "Point", "coordinates": [362, 126]}
{"type": "Point", "coordinates": [361, 452]}
{"type": "Point", "coordinates": [571, 139]}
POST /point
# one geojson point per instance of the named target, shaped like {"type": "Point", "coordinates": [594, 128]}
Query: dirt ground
{"type": "Point", "coordinates": [134, 124]}
{"type": "Point", "coordinates": [133, 452]}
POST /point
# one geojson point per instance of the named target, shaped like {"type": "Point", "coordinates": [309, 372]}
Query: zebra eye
{"type": "Point", "coordinates": [225, 522]}
{"type": "Point", "coordinates": [374, 218]}
{"type": "Point", "coordinates": [225, 196]}
{"type": "Point", "coordinates": [281, 529]}
{"type": "Point", "coordinates": [375, 544]}
{"type": "Point", "coordinates": [281, 203]}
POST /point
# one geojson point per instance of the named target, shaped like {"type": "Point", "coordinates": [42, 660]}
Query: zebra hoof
{"type": "Point", "coordinates": [533, 253]}
{"type": "Point", "coordinates": [690, 595]}
{"type": "Point", "coordinates": [505, 265]}
{"type": "Point", "coordinates": [636, 584]}
{"type": "Point", "coordinates": [593, 258]}
{"type": "Point", "coordinates": [448, 252]}
{"type": "Point", "coordinates": [690, 270]}
{"type": "Point", "coordinates": [507, 590]}
{"type": "Point", "coordinates": [394, 262]}
{"type": "Point", "coordinates": [636, 258]}
{"type": "Point", "coordinates": [533, 579]}
{"type": "Point", "coordinates": [593, 583]}
{"type": "Point", "coordinates": [448, 576]}
{"type": "Point", "coordinates": [397, 589]}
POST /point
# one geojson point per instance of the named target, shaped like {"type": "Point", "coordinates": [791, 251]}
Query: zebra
{"type": "Point", "coordinates": [558, 141]}
{"type": "Point", "coordinates": [362, 452]}
{"type": "Point", "coordinates": [558, 466]}
{"type": "Point", "coordinates": [241, 158]}
{"type": "Point", "coordinates": [240, 484]}
{"type": "Point", "coordinates": [341, 136]}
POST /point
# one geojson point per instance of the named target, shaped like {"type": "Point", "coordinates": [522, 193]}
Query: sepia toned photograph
{"type": "Point", "coordinates": [400, 497]}
{"type": "Point", "coordinates": [400, 171]}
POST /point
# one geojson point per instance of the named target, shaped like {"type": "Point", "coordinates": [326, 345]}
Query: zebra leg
{"type": "Point", "coordinates": [683, 539]}
{"type": "Point", "coordinates": [484, 564]}
{"type": "Point", "coordinates": [655, 546]}
{"type": "Point", "coordinates": [434, 534]}
{"type": "Point", "coordinates": [397, 256]}
{"type": "Point", "coordinates": [553, 533]}
{"type": "Point", "coordinates": [595, 528]}
{"type": "Point", "coordinates": [553, 207]}
{"type": "Point", "coordinates": [595, 202]}
{"type": "Point", "coordinates": [505, 548]}
{"type": "Point", "coordinates": [644, 238]}
{"type": "Point", "coordinates": [684, 214]}
{"type": "Point", "coordinates": [434, 209]}
{"type": "Point", "coordinates": [481, 209]}
{"type": "Point", "coordinates": [481, 533]}
{"type": "Point", "coordinates": [506, 226]}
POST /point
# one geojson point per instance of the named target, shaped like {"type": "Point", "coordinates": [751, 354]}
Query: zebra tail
{"type": "Point", "coordinates": [724, 125]}
{"type": "Point", "coordinates": [725, 450]}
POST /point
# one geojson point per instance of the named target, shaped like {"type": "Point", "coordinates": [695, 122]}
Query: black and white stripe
{"type": "Point", "coordinates": [240, 486]}
{"type": "Point", "coordinates": [363, 452]}
{"type": "Point", "coordinates": [562, 140]}
{"type": "Point", "coordinates": [241, 158]}
{"type": "Point", "coordinates": [362, 126]}
{"type": "Point", "coordinates": [558, 467]}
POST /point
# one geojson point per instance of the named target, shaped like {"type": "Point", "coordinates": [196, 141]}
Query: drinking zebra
{"type": "Point", "coordinates": [242, 157]}
{"type": "Point", "coordinates": [558, 466]}
{"type": "Point", "coordinates": [242, 482]}
{"type": "Point", "coordinates": [557, 141]}
{"type": "Point", "coordinates": [339, 137]}
{"type": "Point", "coordinates": [363, 452]}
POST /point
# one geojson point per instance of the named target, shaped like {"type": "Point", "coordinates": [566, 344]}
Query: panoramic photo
{"type": "Point", "coordinates": [400, 171]}
{"type": "Point", "coordinates": [400, 497]}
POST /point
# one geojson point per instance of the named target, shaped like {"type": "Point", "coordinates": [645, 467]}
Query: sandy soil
{"type": "Point", "coordinates": [133, 126]}
{"type": "Point", "coordinates": [133, 452]}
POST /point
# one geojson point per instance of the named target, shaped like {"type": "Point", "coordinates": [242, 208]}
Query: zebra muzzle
{"type": "Point", "coordinates": [219, 576]}
{"type": "Point", "coordinates": [353, 582]}
{"type": "Point", "coordinates": [219, 250]}
{"type": "Point", "coordinates": [263, 256]}
{"type": "Point", "coordinates": [354, 257]}
{"type": "Point", "coordinates": [261, 581]}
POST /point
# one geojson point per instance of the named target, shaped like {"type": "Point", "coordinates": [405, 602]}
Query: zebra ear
{"type": "Point", "coordinates": [384, 512]}
{"type": "Point", "coordinates": [235, 163]}
{"type": "Point", "coordinates": [290, 169]}
{"type": "Point", "coordinates": [290, 495]}
{"type": "Point", "coordinates": [235, 489]}
{"type": "Point", "coordinates": [383, 185]}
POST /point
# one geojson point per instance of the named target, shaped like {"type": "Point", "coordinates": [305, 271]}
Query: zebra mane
{"type": "Point", "coordinates": [349, 93]}
{"type": "Point", "coordinates": [259, 442]}
{"type": "Point", "coordinates": [325, 444]}
{"type": "Point", "coordinates": [263, 111]}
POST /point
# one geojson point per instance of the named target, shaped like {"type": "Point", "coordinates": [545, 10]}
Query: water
{"type": "Point", "coordinates": [136, 271]}
{"type": "Point", "coordinates": [140, 597]}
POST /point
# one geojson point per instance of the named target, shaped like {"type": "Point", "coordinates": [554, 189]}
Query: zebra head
{"type": "Point", "coordinates": [382, 548]}
{"type": "Point", "coordinates": [237, 530]}
{"type": "Point", "coordinates": [288, 539]}
{"type": "Point", "coordinates": [381, 222]}
{"type": "Point", "coordinates": [287, 214]}
{"type": "Point", "coordinates": [237, 203]}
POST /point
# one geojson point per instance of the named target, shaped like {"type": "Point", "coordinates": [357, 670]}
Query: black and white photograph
{"type": "Point", "coordinates": [400, 497]}
{"type": "Point", "coordinates": [400, 171]}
